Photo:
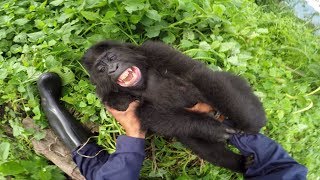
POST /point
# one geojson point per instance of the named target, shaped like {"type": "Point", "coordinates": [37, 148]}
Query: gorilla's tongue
{"type": "Point", "coordinates": [129, 77]}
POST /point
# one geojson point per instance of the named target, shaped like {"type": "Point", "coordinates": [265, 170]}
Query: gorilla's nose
{"type": "Point", "coordinates": [112, 68]}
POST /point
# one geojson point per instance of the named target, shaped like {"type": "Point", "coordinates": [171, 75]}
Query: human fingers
{"type": "Point", "coordinates": [200, 108]}
{"type": "Point", "coordinates": [133, 106]}
{"type": "Point", "coordinates": [113, 111]}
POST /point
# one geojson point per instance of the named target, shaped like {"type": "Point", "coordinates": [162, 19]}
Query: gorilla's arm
{"type": "Point", "coordinates": [182, 124]}
{"type": "Point", "coordinates": [164, 58]}
{"type": "Point", "coordinates": [119, 101]}
{"type": "Point", "coordinates": [232, 96]}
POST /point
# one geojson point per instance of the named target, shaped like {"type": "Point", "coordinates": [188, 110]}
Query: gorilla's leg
{"type": "Point", "coordinates": [182, 123]}
{"type": "Point", "coordinates": [233, 97]}
{"type": "Point", "coordinates": [215, 153]}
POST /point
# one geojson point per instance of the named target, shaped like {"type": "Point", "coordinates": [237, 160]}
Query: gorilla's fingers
{"type": "Point", "coordinates": [222, 137]}
{"type": "Point", "coordinates": [231, 131]}
{"type": "Point", "coordinates": [249, 161]}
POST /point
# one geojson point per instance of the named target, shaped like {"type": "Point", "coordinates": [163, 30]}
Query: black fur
{"type": "Point", "coordinates": [171, 82]}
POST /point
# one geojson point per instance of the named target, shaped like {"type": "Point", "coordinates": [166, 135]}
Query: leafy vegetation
{"type": "Point", "coordinates": [266, 44]}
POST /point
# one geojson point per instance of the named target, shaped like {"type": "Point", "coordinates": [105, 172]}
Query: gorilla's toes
{"type": "Point", "coordinates": [249, 161]}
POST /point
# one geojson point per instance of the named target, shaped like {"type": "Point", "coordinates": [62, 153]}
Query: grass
{"type": "Point", "coordinates": [264, 43]}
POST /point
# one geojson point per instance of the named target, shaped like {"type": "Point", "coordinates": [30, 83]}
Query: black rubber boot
{"type": "Point", "coordinates": [70, 131]}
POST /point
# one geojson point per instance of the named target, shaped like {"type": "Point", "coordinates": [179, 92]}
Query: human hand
{"type": "Point", "coordinates": [129, 120]}
{"type": "Point", "coordinates": [200, 108]}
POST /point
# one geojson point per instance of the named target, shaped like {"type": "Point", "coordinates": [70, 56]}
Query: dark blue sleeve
{"type": "Point", "coordinates": [271, 161]}
{"type": "Point", "coordinates": [124, 163]}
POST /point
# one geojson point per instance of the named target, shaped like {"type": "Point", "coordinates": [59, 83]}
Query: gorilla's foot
{"type": "Point", "coordinates": [70, 131]}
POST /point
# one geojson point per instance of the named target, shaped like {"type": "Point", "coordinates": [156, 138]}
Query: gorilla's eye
{"type": "Point", "coordinates": [112, 57]}
{"type": "Point", "coordinates": [101, 68]}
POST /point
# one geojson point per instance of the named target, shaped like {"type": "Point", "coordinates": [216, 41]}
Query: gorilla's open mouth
{"type": "Point", "coordinates": [130, 77]}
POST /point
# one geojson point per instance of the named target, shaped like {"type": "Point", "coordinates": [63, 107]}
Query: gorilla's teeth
{"type": "Point", "coordinates": [124, 75]}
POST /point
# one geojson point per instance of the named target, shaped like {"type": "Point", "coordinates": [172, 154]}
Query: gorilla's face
{"type": "Point", "coordinates": [121, 67]}
{"type": "Point", "coordinates": [118, 65]}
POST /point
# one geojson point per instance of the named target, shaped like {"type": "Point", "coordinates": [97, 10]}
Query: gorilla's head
{"type": "Point", "coordinates": [113, 66]}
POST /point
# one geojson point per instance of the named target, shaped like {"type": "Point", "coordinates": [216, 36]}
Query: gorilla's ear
{"type": "Point", "coordinates": [86, 63]}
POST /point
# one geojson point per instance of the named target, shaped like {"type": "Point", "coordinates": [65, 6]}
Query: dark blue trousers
{"type": "Point", "coordinates": [271, 161]}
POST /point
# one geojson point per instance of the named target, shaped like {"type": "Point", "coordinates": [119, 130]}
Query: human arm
{"type": "Point", "coordinates": [125, 163]}
{"type": "Point", "coordinates": [271, 161]}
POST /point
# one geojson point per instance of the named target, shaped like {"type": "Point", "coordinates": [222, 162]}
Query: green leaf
{"type": "Point", "coordinates": [52, 42]}
{"type": "Point", "coordinates": [65, 73]}
{"type": "Point", "coordinates": [109, 15]}
{"type": "Point", "coordinates": [39, 24]}
{"type": "Point", "coordinates": [91, 98]}
{"type": "Point", "coordinates": [82, 104]}
{"type": "Point", "coordinates": [34, 37]}
{"type": "Point", "coordinates": [135, 18]}
{"type": "Point", "coordinates": [170, 38]}
{"type": "Point", "coordinates": [133, 5]}
{"type": "Point", "coordinates": [70, 100]}
{"type": "Point", "coordinates": [158, 173]}
{"type": "Point", "coordinates": [186, 43]}
{"type": "Point", "coordinates": [91, 16]}
{"type": "Point", "coordinates": [56, 2]}
{"type": "Point", "coordinates": [51, 62]}
{"type": "Point", "coordinates": [204, 45]}
{"type": "Point", "coordinates": [263, 31]}
{"type": "Point", "coordinates": [186, 5]}
{"type": "Point", "coordinates": [39, 135]}
{"type": "Point", "coordinates": [20, 38]}
{"type": "Point", "coordinates": [198, 8]}
{"type": "Point", "coordinates": [187, 34]}
{"type": "Point", "coordinates": [153, 31]}
{"type": "Point", "coordinates": [15, 48]}
{"type": "Point", "coordinates": [280, 114]}
{"type": "Point", "coordinates": [63, 17]}
{"type": "Point", "coordinates": [3, 34]}
{"type": "Point", "coordinates": [11, 168]}
{"type": "Point", "coordinates": [234, 61]}
{"type": "Point", "coordinates": [153, 14]}
{"type": "Point", "coordinates": [21, 89]}
{"type": "Point", "coordinates": [4, 150]}
{"type": "Point", "coordinates": [3, 74]}
{"type": "Point", "coordinates": [103, 114]}
{"type": "Point", "coordinates": [218, 9]}
{"type": "Point", "coordinates": [244, 56]}
{"type": "Point", "coordinates": [5, 19]}
{"type": "Point", "coordinates": [226, 46]}
{"type": "Point", "coordinates": [21, 21]}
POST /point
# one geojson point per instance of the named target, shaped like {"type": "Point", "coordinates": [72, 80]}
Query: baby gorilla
{"type": "Point", "coordinates": [166, 83]}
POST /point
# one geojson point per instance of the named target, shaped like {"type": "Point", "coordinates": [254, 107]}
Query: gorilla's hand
{"type": "Point", "coordinates": [223, 133]}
